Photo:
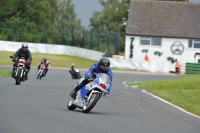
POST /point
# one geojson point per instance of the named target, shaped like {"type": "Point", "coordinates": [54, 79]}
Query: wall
{"type": "Point", "coordinates": [53, 49]}
{"type": "Point", "coordinates": [156, 64]}
{"type": "Point", "coordinates": [186, 56]}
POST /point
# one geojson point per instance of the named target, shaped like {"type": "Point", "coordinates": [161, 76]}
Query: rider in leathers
{"type": "Point", "coordinates": [46, 63]}
{"type": "Point", "coordinates": [23, 52]}
{"type": "Point", "coordinates": [103, 66]}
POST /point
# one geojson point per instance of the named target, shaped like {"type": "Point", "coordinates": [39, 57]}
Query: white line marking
{"type": "Point", "coordinates": [124, 83]}
{"type": "Point", "coordinates": [171, 104]}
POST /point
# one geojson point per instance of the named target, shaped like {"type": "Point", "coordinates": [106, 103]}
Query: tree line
{"type": "Point", "coordinates": [55, 22]}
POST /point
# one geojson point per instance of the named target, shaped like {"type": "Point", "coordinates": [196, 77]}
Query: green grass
{"type": "Point", "coordinates": [5, 73]}
{"type": "Point", "coordinates": [55, 60]}
{"type": "Point", "coordinates": [182, 92]}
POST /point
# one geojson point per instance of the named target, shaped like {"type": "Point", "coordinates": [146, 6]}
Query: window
{"type": "Point", "coordinates": [152, 41]}
{"type": "Point", "coordinates": [145, 40]}
{"type": "Point", "coordinates": [193, 43]}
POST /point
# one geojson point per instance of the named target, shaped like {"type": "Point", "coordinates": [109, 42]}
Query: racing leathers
{"type": "Point", "coordinates": [47, 66]}
{"type": "Point", "coordinates": [88, 75]}
{"type": "Point", "coordinates": [26, 54]}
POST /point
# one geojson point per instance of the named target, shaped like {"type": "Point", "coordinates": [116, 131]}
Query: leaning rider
{"type": "Point", "coordinates": [46, 63]}
{"type": "Point", "coordinates": [103, 66]}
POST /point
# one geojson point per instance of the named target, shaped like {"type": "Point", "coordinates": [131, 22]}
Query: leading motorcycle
{"type": "Point", "coordinates": [88, 95]}
{"type": "Point", "coordinates": [20, 71]}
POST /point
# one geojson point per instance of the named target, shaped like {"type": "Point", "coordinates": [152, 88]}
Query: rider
{"type": "Point", "coordinates": [103, 66]}
{"type": "Point", "coordinates": [72, 71]}
{"type": "Point", "coordinates": [73, 66]}
{"type": "Point", "coordinates": [22, 52]}
{"type": "Point", "coordinates": [46, 63]}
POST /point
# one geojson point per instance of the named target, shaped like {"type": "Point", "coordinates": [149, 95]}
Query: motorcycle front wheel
{"type": "Point", "coordinates": [88, 106]}
{"type": "Point", "coordinates": [38, 76]}
{"type": "Point", "coordinates": [70, 105]}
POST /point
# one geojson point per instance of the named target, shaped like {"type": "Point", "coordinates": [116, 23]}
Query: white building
{"type": "Point", "coordinates": [169, 28]}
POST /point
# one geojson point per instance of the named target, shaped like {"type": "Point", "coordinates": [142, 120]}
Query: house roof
{"type": "Point", "coordinates": [164, 18]}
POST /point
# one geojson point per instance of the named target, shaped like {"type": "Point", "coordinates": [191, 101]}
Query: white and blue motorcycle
{"type": "Point", "coordinates": [88, 95]}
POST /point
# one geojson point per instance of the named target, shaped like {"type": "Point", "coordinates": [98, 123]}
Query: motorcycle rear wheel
{"type": "Point", "coordinates": [70, 105]}
{"type": "Point", "coordinates": [87, 107]}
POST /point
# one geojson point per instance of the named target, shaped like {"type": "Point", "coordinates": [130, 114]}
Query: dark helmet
{"type": "Point", "coordinates": [24, 47]}
{"type": "Point", "coordinates": [104, 64]}
{"type": "Point", "coordinates": [45, 59]}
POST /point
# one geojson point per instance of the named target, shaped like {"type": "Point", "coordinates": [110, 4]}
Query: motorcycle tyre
{"type": "Point", "coordinates": [71, 106]}
{"type": "Point", "coordinates": [90, 107]}
{"type": "Point", "coordinates": [38, 76]}
{"type": "Point", "coordinates": [17, 80]}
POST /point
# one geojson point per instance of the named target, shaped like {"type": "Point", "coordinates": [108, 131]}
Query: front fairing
{"type": "Point", "coordinates": [100, 79]}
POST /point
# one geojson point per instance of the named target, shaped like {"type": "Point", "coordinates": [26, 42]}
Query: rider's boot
{"type": "Point", "coordinates": [74, 91]}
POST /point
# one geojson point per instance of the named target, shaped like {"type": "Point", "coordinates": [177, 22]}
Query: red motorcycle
{"type": "Point", "coordinates": [20, 71]}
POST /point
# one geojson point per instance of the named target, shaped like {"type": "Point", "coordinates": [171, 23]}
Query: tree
{"type": "Point", "coordinates": [24, 20]}
{"type": "Point", "coordinates": [68, 22]}
{"type": "Point", "coordinates": [110, 18]}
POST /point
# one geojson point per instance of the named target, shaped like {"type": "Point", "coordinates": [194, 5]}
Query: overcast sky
{"type": "Point", "coordinates": [84, 9]}
{"type": "Point", "coordinates": [196, 1]}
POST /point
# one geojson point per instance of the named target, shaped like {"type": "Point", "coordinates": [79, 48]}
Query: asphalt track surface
{"type": "Point", "coordinates": [40, 106]}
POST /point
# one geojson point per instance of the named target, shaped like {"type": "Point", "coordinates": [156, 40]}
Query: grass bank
{"type": "Point", "coordinates": [5, 73]}
{"type": "Point", "coordinates": [55, 60]}
{"type": "Point", "coordinates": [182, 92]}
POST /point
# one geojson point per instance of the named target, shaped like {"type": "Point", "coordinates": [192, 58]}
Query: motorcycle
{"type": "Point", "coordinates": [20, 71]}
{"type": "Point", "coordinates": [41, 71]}
{"type": "Point", "coordinates": [88, 96]}
{"type": "Point", "coordinates": [75, 74]}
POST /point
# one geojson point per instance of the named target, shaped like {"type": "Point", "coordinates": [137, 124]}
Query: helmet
{"type": "Point", "coordinates": [24, 47]}
{"type": "Point", "coordinates": [45, 59]}
{"type": "Point", "coordinates": [104, 64]}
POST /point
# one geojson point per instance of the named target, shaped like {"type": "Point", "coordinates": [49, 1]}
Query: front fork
{"type": "Point", "coordinates": [93, 91]}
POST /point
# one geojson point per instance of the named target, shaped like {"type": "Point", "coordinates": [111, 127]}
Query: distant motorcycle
{"type": "Point", "coordinates": [41, 72]}
{"type": "Point", "coordinates": [20, 71]}
{"type": "Point", "coordinates": [75, 73]}
{"type": "Point", "coordinates": [88, 95]}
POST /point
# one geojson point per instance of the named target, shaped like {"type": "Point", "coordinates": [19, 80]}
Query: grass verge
{"type": "Point", "coordinates": [184, 93]}
{"type": "Point", "coordinates": [5, 73]}
{"type": "Point", "coordinates": [55, 60]}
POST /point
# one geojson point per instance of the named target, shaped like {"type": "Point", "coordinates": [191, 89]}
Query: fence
{"type": "Point", "coordinates": [94, 39]}
{"type": "Point", "coordinates": [192, 68]}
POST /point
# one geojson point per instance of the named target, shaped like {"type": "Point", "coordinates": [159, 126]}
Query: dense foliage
{"type": "Point", "coordinates": [55, 22]}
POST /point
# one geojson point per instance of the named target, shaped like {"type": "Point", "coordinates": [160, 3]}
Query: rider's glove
{"type": "Point", "coordinates": [13, 60]}
{"type": "Point", "coordinates": [28, 63]}
{"type": "Point", "coordinates": [93, 71]}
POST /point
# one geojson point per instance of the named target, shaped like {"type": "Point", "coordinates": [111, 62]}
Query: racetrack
{"type": "Point", "coordinates": [40, 106]}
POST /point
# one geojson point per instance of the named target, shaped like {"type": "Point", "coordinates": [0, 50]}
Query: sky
{"type": "Point", "coordinates": [195, 1]}
{"type": "Point", "coordinates": [84, 9]}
